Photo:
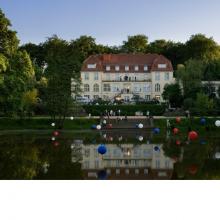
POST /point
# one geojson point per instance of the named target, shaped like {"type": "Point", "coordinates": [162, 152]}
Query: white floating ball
{"type": "Point", "coordinates": [140, 138]}
{"type": "Point", "coordinates": [217, 155]}
{"type": "Point", "coordinates": [140, 125]}
{"type": "Point", "coordinates": [98, 127]}
{"type": "Point", "coordinates": [53, 139]}
{"type": "Point", "coordinates": [53, 124]}
{"type": "Point", "coordinates": [71, 118]}
{"type": "Point", "coordinates": [72, 146]}
{"type": "Point", "coordinates": [104, 121]}
{"type": "Point", "coordinates": [217, 123]}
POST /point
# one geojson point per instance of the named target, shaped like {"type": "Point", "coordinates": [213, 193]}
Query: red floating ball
{"type": "Point", "coordinates": [175, 130]}
{"type": "Point", "coordinates": [178, 119]}
{"type": "Point", "coordinates": [193, 169]}
{"type": "Point", "coordinates": [56, 133]}
{"type": "Point", "coordinates": [178, 142]}
{"type": "Point", "coordinates": [193, 135]}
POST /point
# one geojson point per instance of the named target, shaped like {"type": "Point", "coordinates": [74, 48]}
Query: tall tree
{"type": "Point", "coordinates": [62, 68]}
{"type": "Point", "coordinates": [202, 48]}
{"type": "Point", "coordinates": [135, 44]}
{"type": "Point", "coordinates": [190, 77]}
{"type": "Point", "coordinates": [8, 39]}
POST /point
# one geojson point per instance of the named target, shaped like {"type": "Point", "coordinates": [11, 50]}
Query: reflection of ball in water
{"type": "Point", "coordinates": [104, 135]}
{"type": "Point", "coordinates": [53, 124]}
{"type": "Point", "coordinates": [217, 155]}
{"type": "Point", "coordinates": [71, 118]}
{"type": "Point", "coordinates": [140, 138]}
{"type": "Point", "coordinates": [140, 125]}
{"type": "Point", "coordinates": [98, 127]}
{"type": "Point", "coordinates": [72, 146]}
{"type": "Point", "coordinates": [217, 123]}
{"type": "Point", "coordinates": [104, 122]}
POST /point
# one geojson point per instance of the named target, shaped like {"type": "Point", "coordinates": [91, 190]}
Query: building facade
{"type": "Point", "coordinates": [125, 76]}
{"type": "Point", "coordinates": [123, 161]}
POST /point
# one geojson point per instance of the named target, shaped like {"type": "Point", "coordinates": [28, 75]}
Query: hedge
{"type": "Point", "coordinates": [129, 110]}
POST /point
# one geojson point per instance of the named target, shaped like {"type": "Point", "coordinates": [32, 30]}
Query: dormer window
{"type": "Point", "coordinates": [91, 66]}
{"type": "Point", "coordinates": [145, 68]}
{"type": "Point", "coordinates": [136, 68]}
{"type": "Point", "coordinates": [117, 68]}
{"type": "Point", "coordinates": [126, 68]}
{"type": "Point", "coordinates": [108, 68]}
{"type": "Point", "coordinates": [162, 66]}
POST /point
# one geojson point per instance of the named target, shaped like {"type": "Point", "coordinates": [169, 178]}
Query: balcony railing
{"type": "Point", "coordinates": [129, 80]}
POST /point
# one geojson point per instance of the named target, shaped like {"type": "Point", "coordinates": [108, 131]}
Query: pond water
{"type": "Point", "coordinates": [130, 155]}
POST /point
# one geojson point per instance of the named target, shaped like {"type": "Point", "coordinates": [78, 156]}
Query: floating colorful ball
{"type": "Point", "coordinates": [178, 119]}
{"type": "Point", "coordinates": [175, 131]}
{"type": "Point", "coordinates": [102, 149]}
{"type": "Point", "coordinates": [193, 135]}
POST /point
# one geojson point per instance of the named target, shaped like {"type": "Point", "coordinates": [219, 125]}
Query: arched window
{"type": "Point", "coordinates": [157, 87]}
{"type": "Point", "coordinates": [96, 88]}
{"type": "Point", "coordinates": [86, 88]}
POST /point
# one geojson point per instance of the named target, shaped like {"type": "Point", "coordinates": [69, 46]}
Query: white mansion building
{"type": "Point", "coordinates": [125, 75]}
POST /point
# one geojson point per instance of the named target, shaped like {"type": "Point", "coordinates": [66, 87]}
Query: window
{"type": "Point", "coordinates": [96, 88]}
{"type": "Point", "coordinates": [145, 68]}
{"type": "Point", "coordinates": [86, 88]}
{"type": "Point", "coordinates": [117, 171]}
{"type": "Point", "coordinates": [107, 88]}
{"type": "Point", "coordinates": [136, 171]}
{"type": "Point", "coordinates": [157, 97]}
{"type": "Point", "coordinates": [87, 152]}
{"type": "Point", "coordinates": [167, 164]}
{"type": "Point", "coordinates": [145, 171]}
{"type": "Point", "coordinates": [162, 66]}
{"type": "Point", "coordinates": [96, 164]}
{"type": "Point", "coordinates": [107, 77]}
{"type": "Point", "coordinates": [108, 68]}
{"type": "Point", "coordinates": [96, 76]}
{"type": "Point", "coordinates": [126, 68]}
{"type": "Point", "coordinates": [147, 88]}
{"type": "Point", "coordinates": [157, 76]}
{"type": "Point", "coordinates": [157, 164]}
{"type": "Point", "coordinates": [86, 164]}
{"type": "Point", "coordinates": [117, 77]}
{"type": "Point", "coordinates": [87, 96]}
{"type": "Point", "coordinates": [127, 171]}
{"type": "Point", "coordinates": [86, 76]}
{"type": "Point", "coordinates": [167, 76]}
{"type": "Point", "coordinates": [117, 68]}
{"type": "Point", "coordinates": [157, 87]}
{"type": "Point", "coordinates": [96, 97]}
{"type": "Point", "coordinates": [91, 66]}
{"type": "Point", "coordinates": [136, 68]}
{"type": "Point", "coordinates": [147, 97]}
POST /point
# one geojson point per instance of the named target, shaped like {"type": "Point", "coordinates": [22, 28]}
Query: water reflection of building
{"type": "Point", "coordinates": [125, 161]}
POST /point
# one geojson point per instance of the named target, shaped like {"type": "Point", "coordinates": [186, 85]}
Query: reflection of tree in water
{"type": "Point", "coordinates": [36, 158]}
{"type": "Point", "coordinates": [195, 159]}
{"type": "Point", "coordinates": [18, 160]}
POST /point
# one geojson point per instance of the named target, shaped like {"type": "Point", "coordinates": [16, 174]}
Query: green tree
{"type": "Point", "coordinates": [190, 77]}
{"type": "Point", "coordinates": [202, 48]}
{"type": "Point", "coordinates": [212, 71]}
{"type": "Point", "coordinates": [203, 104]}
{"type": "Point", "coordinates": [173, 94]}
{"type": "Point", "coordinates": [3, 63]}
{"type": "Point", "coordinates": [135, 44]}
{"type": "Point", "coordinates": [8, 39]}
{"type": "Point", "coordinates": [61, 71]}
{"type": "Point", "coordinates": [18, 79]}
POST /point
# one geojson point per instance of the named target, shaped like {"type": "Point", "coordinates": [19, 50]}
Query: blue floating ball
{"type": "Point", "coordinates": [156, 130]}
{"type": "Point", "coordinates": [202, 121]}
{"type": "Point", "coordinates": [93, 127]}
{"type": "Point", "coordinates": [102, 149]}
{"type": "Point", "coordinates": [156, 148]}
{"type": "Point", "coordinates": [102, 175]}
